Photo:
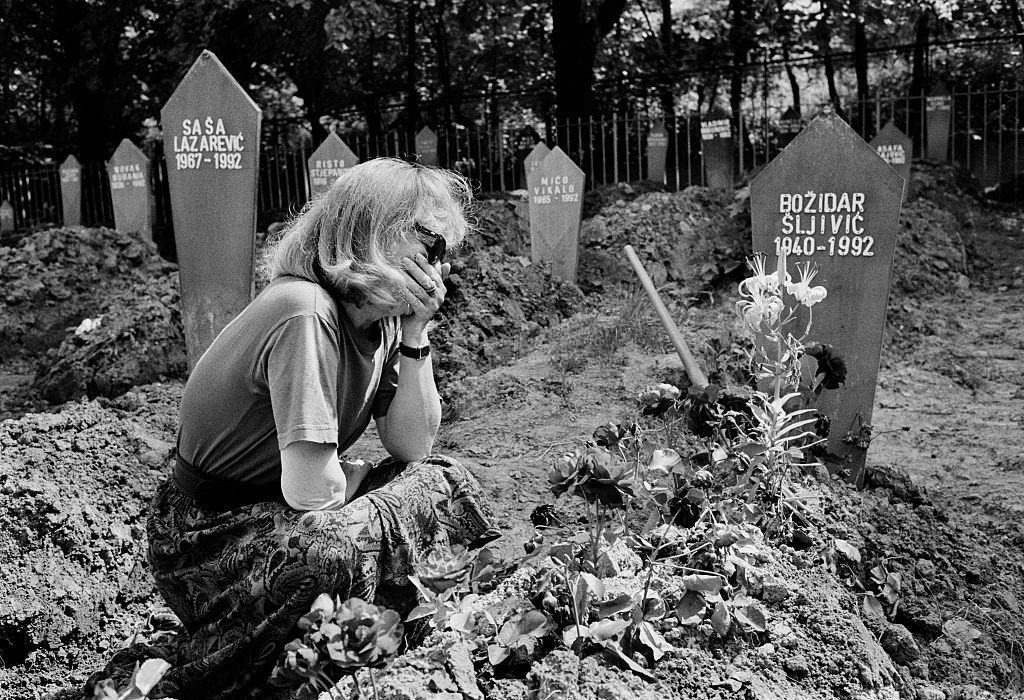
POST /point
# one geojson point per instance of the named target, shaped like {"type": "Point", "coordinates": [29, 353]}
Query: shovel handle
{"type": "Point", "coordinates": [697, 377]}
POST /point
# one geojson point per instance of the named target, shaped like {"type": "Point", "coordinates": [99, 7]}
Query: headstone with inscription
{"type": "Point", "coordinates": [212, 141]}
{"type": "Point", "coordinates": [830, 200]}
{"type": "Point", "coordinates": [657, 150]}
{"type": "Point", "coordinates": [6, 217]}
{"type": "Point", "coordinates": [895, 148]}
{"type": "Point", "coordinates": [939, 107]}
{"type": "Point", "coordinates": [789, 126]}
{"type": "Point", "coordinates": [556, 205]}
{"type": "Point", "coordinates": [719, 155]}
{"type": "Point", "coordinates": [538, 154]}
{"type": "Point", "coordinates": [71, 191]}
{"type": "Point", "coordinates": [130, 191]}
{"type": "Point", "coordinates": [426, 146]}
{"type": "Point", "coordinates": [327, 163]}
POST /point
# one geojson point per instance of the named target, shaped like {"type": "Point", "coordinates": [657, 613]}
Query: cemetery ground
{"type": "Point", "coordinates": [91, 373]}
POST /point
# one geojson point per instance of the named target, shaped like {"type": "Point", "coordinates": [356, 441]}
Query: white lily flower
{"type": "Point", "coordinates": [760, 308]}
{"type": "Point", "coordinates": [802, 291]}
{"type": "Point", "coordinates": [760, 282]}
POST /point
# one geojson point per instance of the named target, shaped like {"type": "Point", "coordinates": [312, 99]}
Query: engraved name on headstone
{"type": "Point", "coordinates": [6, 217]}
{"type": "Point", "coordinates": [327, 163]}
{"type": "Point", "coordinates": [71, 191]}
{"type": "Point", "coordinates": [829, 200]}
{"type": "Point", "coordinates": [939, 106]}
{"type": "Point", "coordinates": [212, 140]}
{"type": "Point", "coordinates": [716, 140]}
{"type": "Point", "coordinates": [129, 173]}
{"type": "Point", "coordinates": [895, 148]}
{"type": "Point", "coordinates": [657, 150]}
{"type": "Point", "coordinates": [426, 146]}
{"type": "Point", "coordinates": [556, 205]}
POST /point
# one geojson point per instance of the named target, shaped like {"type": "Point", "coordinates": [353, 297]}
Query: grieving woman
{"type": "Point", "coordinates": [264, 510]}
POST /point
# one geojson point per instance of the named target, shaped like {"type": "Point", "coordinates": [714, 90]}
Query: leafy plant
{"type": "Point", "coordinates": [339, 639]}
{"type": "Point", "coordinates": [141, 684]}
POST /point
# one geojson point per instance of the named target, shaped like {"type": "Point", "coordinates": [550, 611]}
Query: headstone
{"type": "Point", "coordinates": [426, 146]}
{"type": "Point", "coordinates": [6, 217]}
{"type": "Point", "coordinates": [657, 150]}
{"type": "Point", "coordinates": [716, 140]}
{"type": "Point", "coordinates": [71, 191]}
{"type": "Point", "coordinates": [789, 126]}
{"type": "Point", "coordinates": [212, 141]}
{"type": "Point", "coordinates": [895, 148]}
{"type": "Point", "coordinates": [939, 106]}
{"type": "Point", "coordinates": [556, 205]}
{"type": "Point", "coordinates": [130, 191]}
{"type": "Point", "coordinates": [828, 199]}
{"type": "Point", "coordinates": [327, 163]}
{"type": "Point", "coordinates": [538, 154]}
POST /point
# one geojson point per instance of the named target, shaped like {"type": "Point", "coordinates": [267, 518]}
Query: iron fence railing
{"type": "Point", "coordinates": [986, 138]}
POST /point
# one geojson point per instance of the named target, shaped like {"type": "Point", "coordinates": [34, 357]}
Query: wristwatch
{"type": "Point", "coordinates": [414, 353]}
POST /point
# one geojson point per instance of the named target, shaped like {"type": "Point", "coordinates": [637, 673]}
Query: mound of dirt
{"type": "Point", "coordinates": [695, 238]}
{"type": "Point", "coordinates": [53, 279]}
{"type": "Point", "coordinates": [136, 339]}
{"type": "Point", "coordinates": [73, 493]}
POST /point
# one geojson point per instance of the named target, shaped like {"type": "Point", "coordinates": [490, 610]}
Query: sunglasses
{"type": "Point", "coordinates": [437, 246]}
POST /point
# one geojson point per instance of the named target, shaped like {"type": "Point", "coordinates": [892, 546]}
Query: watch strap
{"type": "Point", "coordinates": [414, 353]}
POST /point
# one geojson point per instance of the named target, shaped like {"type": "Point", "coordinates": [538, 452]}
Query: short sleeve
{"type": "Point", "coordinates": [387, 387]}
{"type": "Point", "coordinates": [302, 376]}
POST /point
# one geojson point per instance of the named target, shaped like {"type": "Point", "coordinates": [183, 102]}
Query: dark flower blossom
{"type": "Point", "coordinates": [831, 366]}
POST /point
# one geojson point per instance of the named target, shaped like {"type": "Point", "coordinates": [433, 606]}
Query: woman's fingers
{"type": "Point", "coordinates": [429, 283]}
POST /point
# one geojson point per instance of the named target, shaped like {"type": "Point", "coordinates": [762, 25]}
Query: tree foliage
{"type": "Point", "coordinates": [82, 74]}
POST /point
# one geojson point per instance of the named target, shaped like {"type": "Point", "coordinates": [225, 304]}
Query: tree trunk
{"type": "Point", "coordinates": [860, 65]}
{"type": "Point", "coordinates": [794, 86]}
{"type": "Point", "coordinates": [1018, 23]}
{"type": "Point", "coordinates": [918, 82]}
{"type": "Point", "coordinates": [783, 29]}
{"type": "Point", "coordinates": [824, 31]}
{"type": "Point", "coordinates": [412, 95]}
{"type": "Point", "coordinates": [739, 40]}
{"type": "Point", "coordinates": [666, 96]}
{"type": "Point", "coordinates": [575, 37]}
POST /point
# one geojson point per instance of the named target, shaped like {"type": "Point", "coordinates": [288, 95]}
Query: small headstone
{"type": "Point", "coordinates": [212, 141]}
{"type": "Point", "coordinates": [6, 217]}
{"type": "Point", "coordinates": [327, 163]}
{"type": "Point", "coordinates": [657, 150]}
{"type": "Point", "coordinates": [828, 199]}
{"type": "Point", "coordinates": [716, 138]}
{"type": "Point", "coordinates": [556, 205]}
{"type": "Point", "coordinates": [538, 154]}
{"type": "Point", "coordinates": [128, 170]}
{"type": "Point", "coordinates": [71, 191]}
{"type": "Point", "coordinates": [426, 146]}
{"type": "Point", "coordinates": [895, 148]}
{"type": "Point", "coordinates": [939, 106]}
{"type": "Point", "coordinates": [789, 126]}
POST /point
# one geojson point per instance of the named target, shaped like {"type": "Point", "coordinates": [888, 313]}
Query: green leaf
{"type": "Point", "coordinates": [848, 550]}
{"type": "Point", "coordinates": [612, 648]}
{"type": "Point", "coordinates": [690, 608]}
{"type": "Point", "coordinates": [751, 617]}
{"type": "Point", "coordinates": [607, 629]}
{"type": "Point", "coordinates": [652, 639]}
{"type": "Point", "coordinates": [721, 620]}
{"type": "Point", "coordinates": [149, 674]}
{"type": "Point", "coordinates": [702, 582]}
{"type": "Point", "coordinates": [872, 607]}
{"type": "Point", "coordinates": [420, 611]}
{"type": "Point", "coordinates": [618, 604]}
{"type": "Point", "coordinates": [497, 653]}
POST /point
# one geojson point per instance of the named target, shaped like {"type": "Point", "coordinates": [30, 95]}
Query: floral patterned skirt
{"type": "Point", "coordinates": [240, 580]}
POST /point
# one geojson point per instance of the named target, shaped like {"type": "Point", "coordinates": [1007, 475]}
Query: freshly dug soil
{"type": "Point", "coordinates": [535, 366]}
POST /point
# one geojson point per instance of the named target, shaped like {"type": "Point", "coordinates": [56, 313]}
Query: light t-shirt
{"type": "Point", "coordinates": [291, 366]}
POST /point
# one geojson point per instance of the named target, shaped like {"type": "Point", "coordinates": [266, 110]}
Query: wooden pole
{"type": "Point", "coordinates": [689, 362]}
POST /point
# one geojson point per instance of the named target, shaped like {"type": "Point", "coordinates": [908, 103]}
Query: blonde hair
{"type": "Point", "coordinates": [355, 228]}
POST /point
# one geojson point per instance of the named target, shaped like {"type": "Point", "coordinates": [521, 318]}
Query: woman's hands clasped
{"type": "Point", "coordinates": [424, 294]}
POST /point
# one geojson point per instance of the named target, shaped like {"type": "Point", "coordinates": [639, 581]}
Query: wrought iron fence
{"type": "Point", "coordinates": [986, 138]}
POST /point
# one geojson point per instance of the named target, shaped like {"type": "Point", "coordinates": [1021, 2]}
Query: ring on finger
{"type": "Point", "coordinates": [431, 289]}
